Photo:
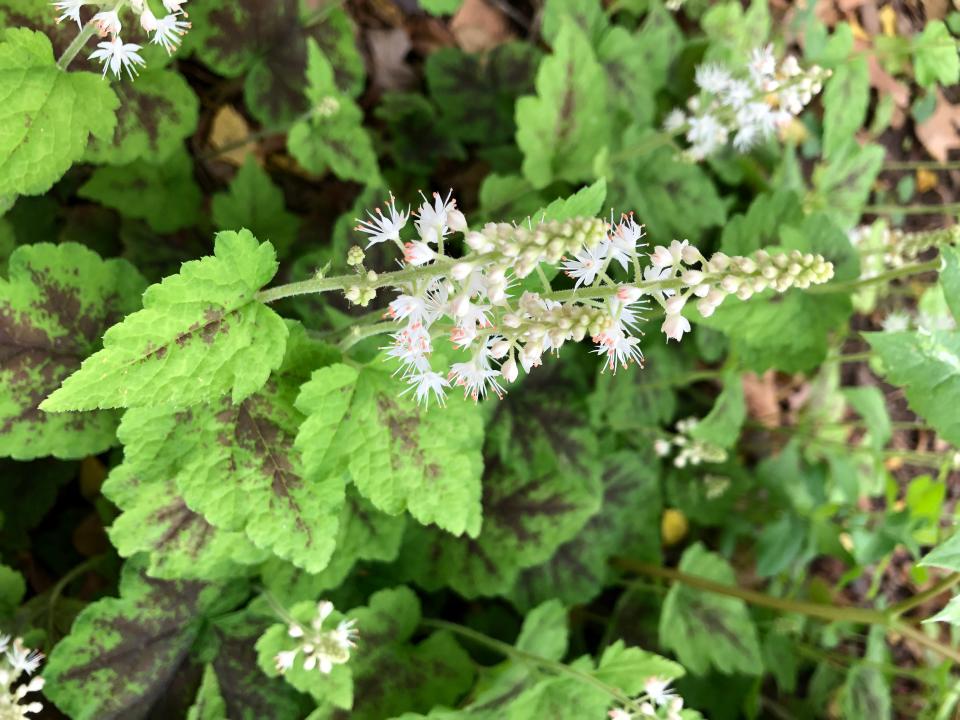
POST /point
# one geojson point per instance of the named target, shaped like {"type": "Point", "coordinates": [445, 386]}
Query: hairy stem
{"type": "Point", "coordinates": [536, 660]}
{"type": "Point", "coordinates": [888, 619]}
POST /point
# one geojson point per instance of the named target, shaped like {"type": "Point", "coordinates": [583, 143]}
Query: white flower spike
{"type": "Point", "coordinates": [117, 55]}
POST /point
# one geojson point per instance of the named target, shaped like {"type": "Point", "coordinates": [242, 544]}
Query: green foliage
{"type": "Point", "coordinates": [55, 304]}
{"type": "Point", "coordinates": [560, 130]}
{"type": "Point", "coordinates": [845, 101]}
{"type": "Point", "coordinates": [935, 55]}
{"type": "Point", "coordinates": [40, 101]}
{"type": "Point", "coordinates": [201, 334]}
{"type": "Point", "coordinates": [709, 630]}
{"type": "Point", "coordinates": [255, 203]}
{"type": "Point", "coordinates": [332, 135]}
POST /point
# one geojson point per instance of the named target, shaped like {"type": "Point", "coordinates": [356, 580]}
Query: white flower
{"type": "Point", "coordinates": [345, 634]}
{"type": "Point", "coordinates": [116, 55]}
{"type": "Point", "coordinates": [70, 10]}
{"type": "Point", "coordinates": [321, 648]}
{"type": "Point", "coordinates": [738, 93]}
{"type": "Point", "coordinates": [169, 31]}
{"type": "Point", "coordinates": [509, 370]}
{"type": "Point", "coordinates": [476, 376]}
{"type": "Point", "coordinates": [619, 714]}
{"type": "Point", "coordinates": [107, 23]}
{"type": "Point", "coordinates": [675, 326]}
{"type": "Point", "coordinates": [427, 382]}
{"type": "Point", "coordinates": [585, 265]}
{"type": "Point", "coordinates": [148, 21]}
{"type": "Point", "coordinates": [283, 660]}
{"type": "Point", "coordinates": [706, 134]}
{"type": "Point", "coordinates": [432, 220]}
{"type": "Point", "coordinates": [658, 690]}
{"type": "Point", "coordinates": [381, 227]}
{"type": "Point", "coordinates": [411, 346]}
{"type": "Point", "coordinates": [675, 121]}
{"type": "Point", "coordinates": [418, 253]}
{"type": "Point", "coordinates": [408, 306]}
{"type": "Point", "coordinates": [620, 349]}
{"type": "Point", "coordinates": [896, 322]}
{"type": "Point", "coordinates": [174, 6]}
{"type": "Point", "coordinates": [762, 65]}
{"type": "Point", "coordinates": [622, 243]}
{"type": "Point", "coordinates": [712, 78]}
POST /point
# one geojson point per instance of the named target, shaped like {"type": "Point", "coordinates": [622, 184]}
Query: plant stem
{"type": "Point", "coordinates": [921, 165]}
{"type": "Point", "coordinates": [888, 619]}
{"type": "Point", "coordinates": [80, 40]}
{"type": "Point", "coordinates": [918, 209]}
{"type": "Point", "coordinates": [513, 652]}
{"type": "Point", "coordinates": [360, 332]}
{"type": "Point", "coordinates": [851, 358]}
{"type": "Point", "coordinates": [894, 274]}
{"type": "Point", "coordinates": [61, 585]}
{"type": "Point", "coordinates": [920, 598]}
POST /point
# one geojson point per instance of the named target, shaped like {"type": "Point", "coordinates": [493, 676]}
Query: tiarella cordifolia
{"type": "Point", "coordinates": [745, 105]}
{"type": "Point", "coordinates": [17, 660]}
{"type": "Point", "coordinates": [481, 304]}
{"type": "Point", "coordinates": [166, 30]}
{"type": "Point", "coordinates": [659, 701]}
{"type": "Point", "coordinates": [317, 647]}
{"type": "Point", "coordinates": [689, 450]}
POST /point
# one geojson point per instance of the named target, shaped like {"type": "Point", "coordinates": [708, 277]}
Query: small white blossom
{"type": "Point", "coordinates": [418, 253]}
{"type": "Point", "coordinates": [107, 23]}
{"type": "Point", "coordinates": [320, 648]}
{"type": "Point", "coordinates": [169, 32]}
{"type": "Point", "coordinates": [70, 10]}
{"type": "Point", "coordinates": [425, 383]}
{"type": "Point", "coordinates": [896, 322]}
{"type": "Point", "coordinates": [174, 6]}
{"type": "Point", "coordinates": [433, 220]}
{"type": "Point", "coordinates": [382, 227]}
{"type": "Point", "coordinates": [675, 326]}
{"type": "Point", "coordinates": [16, 661]}
{"type": "Point", "coordinates": [585, 265]}
{"type": "Point", "coordinates": [712, 78]}
{"type": "Point", "coordinates": [117, 55]}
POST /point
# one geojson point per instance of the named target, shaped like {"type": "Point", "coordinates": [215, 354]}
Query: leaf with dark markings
{"type": "Point", "coordinates": [333, 135]}
{"type": "Point", "coordinates": [267, 44]}
{"type": "Point", "coordinates": [409, 118]}
{"type": "Point", "coordinates": [124, 654]}
{"type": "Point", "coordinates": [565, 125]}
{"type": "Point", "coordinates": [201, 335]}
{"type": "Point", "coordinates": [476, 92]}
{"type": "Point", "coordinates": [54, 308]}
{"type": "Point", "coordinates": [156, 113]}
{"type": "Point", "coordinates": [399, 456]}
{"type": "Point", "coordinates": [627, 523]}
{"type": "Point", "coordinates": [843, 183]}
{"type": "Point", "coordinates": [525, 519]}
{"type": "Point", "coordinates": [707, 630]}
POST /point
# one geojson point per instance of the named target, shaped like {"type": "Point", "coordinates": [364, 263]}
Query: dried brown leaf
{"type": "Point", "coordinates": [940, 133]}
{"type": "Point", "coordinates": [479, 26]}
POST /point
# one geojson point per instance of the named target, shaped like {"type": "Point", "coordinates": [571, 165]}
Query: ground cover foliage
{"type": "Point", "coordinates": [239, 478]}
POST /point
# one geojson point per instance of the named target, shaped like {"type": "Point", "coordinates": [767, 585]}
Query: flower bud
{"type": "Point", "coordinates": [461, 271]}
{"type": "Point", "coordinates": [460, 305]}
{"type": "Point", "coordinates": [730, 283]}
{"type": "Point", "coordinates": [691, 277]}
{"type": "Point", "coordinates": [500, 348]}
{"type": "Point", "coordinates": [675, 304]}
{"type": "Point", "coordinates": [706, 308]}
{"type": "Point", "coordinates": [148, 20]}
{"type": "Point", "coordinates": [509, 370]}
{"type": "Point", "coordinates": [629, 294]}
{"type": "Point", "coordinates": [456, 221]}
{"type": "Point", "coordinates": [690, 255]}
{"type": "Point", "coordinates": [719, 262]}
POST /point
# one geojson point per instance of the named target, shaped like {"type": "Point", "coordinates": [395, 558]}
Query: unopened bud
{"type": "Point", "coordinates": [355, 256]}
{"type": "Point", "coordinates": [500, 348]}
{"type": "Point", "coordinates": [509, 370]}
{"type": "Point", "coordinates": [629, 294]}
{"type": "Point", "coordinates": [461, 271]}
{"type": "Point", "coordinates": [456, 221]}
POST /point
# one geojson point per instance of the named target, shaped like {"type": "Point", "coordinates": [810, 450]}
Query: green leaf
{"type": "Point", "coordinates": [587, 201]}
{"type": "Point", "coordinates": [927, 367]}
{"type": "Point", "coordinates": [441, 7]}
{"type": "Point", "coordinates": [201, 334]}
{"type": "Point", "coordinates": [560, 698]}
{"type": "Point", "coordinates": [845, 100]}
{"type": "Point", "coordinates": [563, 128]}
{"type": "Point", "coordinates": [180, 543]}
{"type": "Point", "coordinates": [526, 517]}
{"type": "Point", "coordinates": [755, 326]}
{"type": "Point", "coordinates": [732, 32]}
{"type": "Point", "coordinates": [935, 57]}
{"type": "Point", "coordinates": [209, 704]}
{"type": "Point", "coordinates": [588, 15]}
{"type": "Point", "coordinates": [705, 629]}
{"type": "Point", "coordinates": [949, 614]}
{"type": "Point", "coordinates": [165, 196]}
{"type": "Point", "coordinates": [156, 113]}
{"type": "Point", "coordinates": [660, 42]}
{"type": "Point", "coordinates": [255, 203]}
{"type": "Point", "coordinates": [364, 534]}
{"type": "Point", "coordinates": [47, 115]}
{"type": "Point", "coordinates": [409, 118]}
{"type": "Point", "coordinates": [629, 84]}
{"type": "Point", "coordinates": [12, 589]}
{"type": "Point", "coordinates": [950, 278]}
{"type": "Point", "coordinates": [54, 307]}
{"type": "Point", "coordinates": [333, 135]}
{"type": "Point", "coordinates": [125, 654]}
{"type": "Point", "coordinates": [399, 456]}
{"type": "Point", "coordinates": [627, 523]}
{"type": "Point", "coordinates": [476, 92]}
{"type": "Point", "coordinates": [842, 183]}
{"type": "Point", "coordinates": [544, 631]}
{"type": "Point", "coordinates": [627, 668]}
{"type": "Point", "coordinates": [721, 426]}
{"type": "Point", "coordinates": [946, 555]}
{"type": "Point", "coordinates": [267, 45]}
{"type": "Point", "coordinates": [247, 693]}
{"type": "Point", "coordinates": [865, 694]}
{"type": "Point", "coordinates": [670, 197]}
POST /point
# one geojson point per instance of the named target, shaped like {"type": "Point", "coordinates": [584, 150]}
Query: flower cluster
{"type": "Point", "coordinates": [690, 450]}
{"type": "Point", "coordinates": [321, 649]}
{"type": "Point", "coordinates": [658, 701]}
{"type": "Point", "coordinates": [748, 104]}
{"type": "Point", "coordinates": [883, 247]}
{"type": "Point", "coordinates": [478, 303]}
{"type": "Point", "coordinates": [114, 53]}
{"type": "Point", "coordinates": [690, 274]}
{"type": "Point", "coordinates": [14, 661]}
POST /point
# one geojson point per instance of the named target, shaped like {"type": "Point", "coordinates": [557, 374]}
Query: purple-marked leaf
{"type": "Point", "coordinates": [124, 657]}
{"type": "Point", "coordinates": [54, 307]}
{"type": "Point", "coordinates": [201, 335]}
{"type": "Point", "coordinates": [627, 523]}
